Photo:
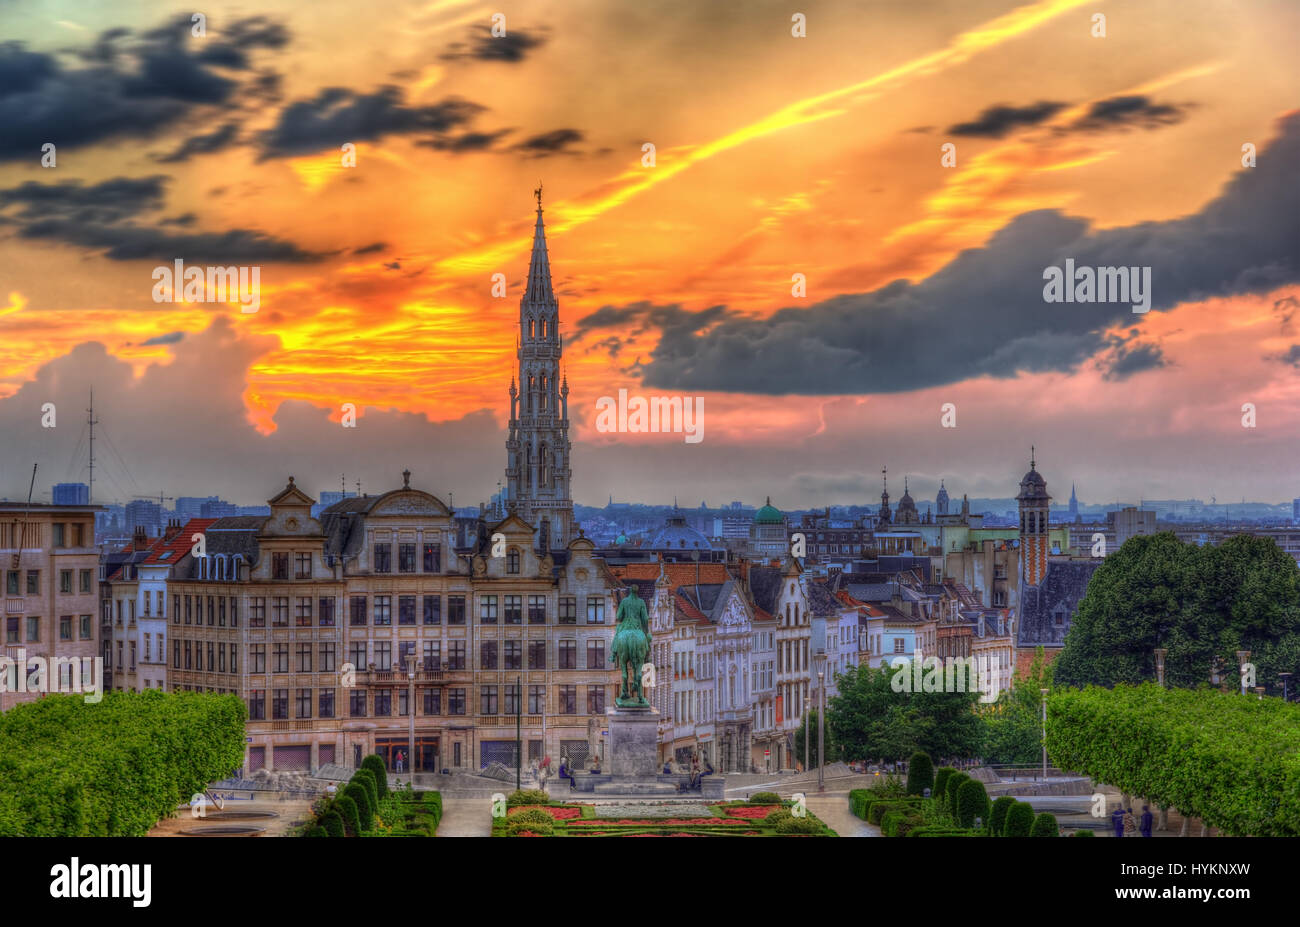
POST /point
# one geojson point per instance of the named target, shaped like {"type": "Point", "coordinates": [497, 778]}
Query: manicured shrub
{"type": "Point", "coordinates": [113, 768]}
{"type": "Point", "coordinates": [433, 805]}
{"type": "Point", "coordinates": [877, 810]}
{"type": "Point", "coordinates": [332, 821]}
{"type": "Point", "coordinates": [765, 798]}
{"type": "Point", "coordinates": [998, 814]}
{"type": "Point", "coordinates": [804, 825]}
{"type": "Point", "coordinates": [941, 775]}
{"type": "Point", "coordinates": [532, 815]}
{"type": "Point", "coordinates": [1084, 832]}
{"type": "Point", "coordinates": [1020, 820]}
{"type": "Point", "coordinates": [361, 795]}
{"type": "Point", "coordinates": [1044, 826]}
{"type": "Point", "coordinates": [777, 815]}
{"type": "Point", "coordinates": [954, 783]}
{"type": "Point", "coordinates": [972, 803]}
{"type": "Point", "coordinates": [935, 830]}
{"type": "Point", "coordinates": [366, 778]}
{"type": "Point", "coordinates": [347, 809]}
{"type": "Point", "coordinates": [315, 831]}
{"type": "Point", "coordinates": [375, 763]}
{"type": "Point", "coordinates": [898, 823]}
{"type": "Point", "coordinates": [858, 799]}
{"type": "Point", "coordinates": [920, 773]}
{"type": "Point", "coordinates": [527, 797]}
{"type": "Point", "coordinates": [515, 827]}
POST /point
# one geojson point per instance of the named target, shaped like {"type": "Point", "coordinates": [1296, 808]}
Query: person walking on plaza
{"type": "Point", "coordinates": [1117, 821]}
{"type": "Point", "coordinates": [1145, 824]}
{"type": "Point", "coordinates": [399, 762]}
{"type": "Point", "coordinates": [1130, 823]}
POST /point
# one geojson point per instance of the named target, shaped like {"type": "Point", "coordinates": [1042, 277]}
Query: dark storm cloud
{"type": "Point", "coordinates": [371, 248]}
{"type": "Point", "coordinates": [511, 48]}
{"type": "Point", "coordinates": [1291, 356]}
{"type": "Point", "coordinates": [218, 139]}
{"type": "Point", "coordinates": [169, 338]}
{"type": "Point", "coordinates": [101, 218]}
{"type": "Point", "coordinates": [997, 121]}
{"type": "Point", "coordinates": [1130, 112]}
{"type": "Point", "coordinates": [983, 314]}
{"type": "Point", "coordinates": [127, 86]}
{"type": "Point", "coordinates": [550, 143]}
{"type": "Point", "coordinates": [469, 141]}
{"type": "Point", "coordinates": [107, 201]}
{"type": "Point", "coordinates": [337, 115]}
{"type": "Point", "coordinates": [1127, 361]}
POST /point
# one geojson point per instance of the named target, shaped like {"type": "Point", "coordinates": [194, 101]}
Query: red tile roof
{"type": "Point", "coordinates": [180, 543]}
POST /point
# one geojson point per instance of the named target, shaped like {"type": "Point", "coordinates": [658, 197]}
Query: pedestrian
{"type": "Point", "coordinates": [399, 761]}
{"type": "Point", "coordinates": [1145, 825]}
{"type": "Point", "coordinates": [1130, 823]}
{"type": "Point", "coordinates": [1117, 821]}
{"type": "Point", "coordinates": [566, 773]}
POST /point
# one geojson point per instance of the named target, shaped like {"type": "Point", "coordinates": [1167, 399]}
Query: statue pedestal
{"type": "Point", "coordinates": [633, 742]}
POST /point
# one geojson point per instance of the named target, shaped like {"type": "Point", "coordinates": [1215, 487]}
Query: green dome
{"type": "Point", "coordinates": [769, 514]}
{"type": "Point", "coordinates": [622, 539]}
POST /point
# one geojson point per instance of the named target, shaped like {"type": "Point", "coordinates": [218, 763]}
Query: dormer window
{"type": "Point", "coordinates": [512, 560]}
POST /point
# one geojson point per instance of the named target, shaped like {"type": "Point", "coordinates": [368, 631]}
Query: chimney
{"type": "Point", "coordinates": [140, 538]}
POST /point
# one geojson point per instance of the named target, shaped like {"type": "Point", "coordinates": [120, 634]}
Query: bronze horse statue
{"type": "Point", "coordinates": [630, 649]}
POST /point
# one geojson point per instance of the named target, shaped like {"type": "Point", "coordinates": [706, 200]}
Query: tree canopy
{"type": "Point", "coordinates": [869, 720]}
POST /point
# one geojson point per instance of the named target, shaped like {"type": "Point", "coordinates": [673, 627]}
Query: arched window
{"type": "Point", "coordinates": [531, 326]}
{"type": "Point", "coordinates": [512, 560]}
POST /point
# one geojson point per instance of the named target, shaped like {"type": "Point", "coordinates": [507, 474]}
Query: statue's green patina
{"type": "Point", "coordinates": [630, 649]}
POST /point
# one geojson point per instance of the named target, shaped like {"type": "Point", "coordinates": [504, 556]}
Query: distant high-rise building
{"type": "Point", "coordinates": [217, 508]}
{"type": "Point", "coordinates": [71, 494]}
{"type": "Point", "coordinates": [188, 507]}
{"type": "Point", "coordinates": [1295, 510]}
{"type": "Point", "coordinates": [141, 513]}
{"type": "Point", "coordinates": [1074, 504]}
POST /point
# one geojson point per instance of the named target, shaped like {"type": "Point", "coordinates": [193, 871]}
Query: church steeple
{"type": "Point", "coordinates": [537, 459]}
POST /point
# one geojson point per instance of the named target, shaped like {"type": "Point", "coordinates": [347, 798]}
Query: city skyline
{"type": "Point", "coordinates": [923, 282]}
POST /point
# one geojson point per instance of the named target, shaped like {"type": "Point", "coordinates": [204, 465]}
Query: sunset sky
{"type": "Point", "coordinates": [774, 156]}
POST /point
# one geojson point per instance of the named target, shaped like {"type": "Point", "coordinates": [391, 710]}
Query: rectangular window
{"type": "Point", "coordinates": [358, 611]}
{"type": "Point", "coordinates": [537, 655]}
{"type": "Point", "coordinates": [487, 606]}
{"type": "Point", "coordinates": [176, 609]}
{"type": "Point", "coordinates": [433, 655]}
{"type": "Point", "coordinates": [568, 655]}
{"type": "Point", "coordinates": [383, 610]}
{"type": "Point", "coordinates": [383, 558]}
{"type": "Point", "coordinates": [11, 582]}
{"type": "Point", "coordinates": [33, 629]}
{"type": "Point", "coordinates": [455, 701]}
{"type": "Point", "coordinates": [514, 655]}
{"type": "Point", "coordinates": [406, 609]}
{"type": "Point", "coordinates": [33, 582]}
{"type": "Point", "coordinates": [257, 705]}
{"type": "Point", "coordinates": [212, 614]}
{"type": "Point", "coordinates": [512, 700]}
{"type": "Point", "coordinates": [279, 704]}
{"type": "Point", "coordinates": [221, 656]}
{"type": "Point", "coordinates": [212, 663]}
{"type": "Point", "coordinates": [65, 584]}
{"type": "Point", "coordinates": [568, 609]}
{"type": "Point", "coordinates": [595, 654]}
{"type": "Point", "coordinates": [403, 707]}
{"type": "Point", "coordinates": [302, 611]}
{"type": "Point", "coordinates": [433, 609]}
{"type": "Point", "coordinates": [234, 658]}
{"type": "Point", "coordinates": [406, 558]}
{"type": "Point", "coordinates": [384, 656]}
{"type": "Point", "coordinates": [59, 535]}
{"type": "Point", "coordinates": [257, 612]}
{"type": "Point", "coordinates": [65, 628]}
{"type": "Point", "coordinates": [279, 611]}
{"type": "Point", "coordinates": [455, 609]}
{"type": "Point", "coordinates": [303, 698]}
{"type": "Point", "coordinates": [568, 700]}
{"type": "Point", "coordinates": [488, 700]}
{"type": "Point", "coordinates": [221, 611]}
{"type": "Point", "coordinates": [234, 612]}
{"type": "Point", "coordinates": [357, 703]}
{"type": "Point", "coordinates": [514, 609]}
{"type": "Point", "coordinates": [405, 652]}
{"type": "Point", "coordinates": [327, 657]}
{"type": "Point", "coordinates": [188, 659]}
{"type": "Point", "coordinates": [279, 658]}
{"type": "Point", "coordinates": [188, 602]}
{"type": "Point", "coordinates": [258, 654]}
{"type": "Point", "coordinates": [595, 610]}
{"type": "Point", "coordinates": [325, 703]}
{"type": "Point", "coordinates": [85, 627]}
{"type": "Point", "coordinates": [357, 651]}
{"type": "Point", "coordinates": [433, 558]}
{"type": "Point", "coordinates": [304, 657]}
{"type": "Point", "coordinates": [432, 701]}
{"type": "Point", "coordinates": [302, 570]}
{"type": "Point", "coordinates": [536, 699]}
{"type": "Point", "coordinates": [487, 655]}
{"type": "Point", "coordinates": [326, 605]}
{"type": "Point", "coordinates": [595, 700]}
{"type": "Point", "coordinates": [85, 580]}
{"type": "Point", "coordinates": [280, 565]}
{"type": "Point", "coordinates": [455, 655]}
{"type": "Point", "coordinates": [537, 609]}
{"type": "Point", "coordinates": [176, 654]}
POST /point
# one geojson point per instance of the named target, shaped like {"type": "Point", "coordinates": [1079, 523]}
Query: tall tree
{"type": "Point", "coordinates": [870, 720]}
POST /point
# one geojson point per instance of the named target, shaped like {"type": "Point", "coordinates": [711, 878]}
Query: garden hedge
{"type": "Point", "coordinates": [361, 795]}
{"type": "Point", "coordinates": [1233, 761]}
{"type": "Point", "coordinates": [941, 775]}
{"type": "Point", "coordinates": [113, 768]}
{"type": "Point", "coordinates": [347, 809]}
{"type": "Point", "coordinates": [972, 803]}
{"type": "Point", "coordinates": [920, 773]}
{"type": "Point", "coordinates": [998, 814]}
{"type": "Point", "coordinates": [954, 783]}
{"type": "Point", "coordinates": [1020, 820]}
{"type": "Point", "coordinates": [375, 764]}
{"type": "Point", "coordinates": [366, 778]}
{"type": "Point", "coordinates": [1045, 826]}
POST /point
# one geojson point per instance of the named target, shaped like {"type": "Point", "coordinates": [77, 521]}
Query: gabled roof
{"type": "Point", "coordinates": [171, 551]}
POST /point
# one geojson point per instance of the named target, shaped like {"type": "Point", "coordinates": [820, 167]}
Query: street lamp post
{"type": "Point", "coordinates": [519, 745]}
{"type": "Point", "coordinates": [821, 737]}
{"type": "Point", "coordinates": [1161, 653]}
{"type": "Point", "coordinates": [410, 714]}
{"type": "Point", "coordinates": [1285, 677]}
{"type": "Point", "coordinates": [1044, 694]}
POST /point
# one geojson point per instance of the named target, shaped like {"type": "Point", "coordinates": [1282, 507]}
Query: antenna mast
{"type": "Point", "coordinates": [90, 418]}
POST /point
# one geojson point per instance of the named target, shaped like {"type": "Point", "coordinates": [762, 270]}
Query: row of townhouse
{"type": "Point", "coordinates": [340, 632]}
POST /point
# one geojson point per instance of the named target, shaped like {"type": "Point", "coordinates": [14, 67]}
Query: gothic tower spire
{"type": "Point", "coordinates": [537, 448]}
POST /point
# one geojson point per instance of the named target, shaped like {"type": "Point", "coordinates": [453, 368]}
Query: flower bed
{"type": "Point", "coordinates": [569, 813]}
{"type": "Point", "coordinates": [724, 819]}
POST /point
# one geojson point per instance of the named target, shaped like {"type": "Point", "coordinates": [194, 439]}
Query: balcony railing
{"type": "Point", "coordinates": [422, 676]}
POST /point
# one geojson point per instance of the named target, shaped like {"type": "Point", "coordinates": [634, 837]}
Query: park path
{"type": "Point", "coordinates": [834, 810]}
{"type": "Point", "coordinates": [465, 817]}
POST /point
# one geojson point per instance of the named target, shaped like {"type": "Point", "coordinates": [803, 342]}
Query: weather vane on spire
{"type": "Point", "coordinates": [538, 193]}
